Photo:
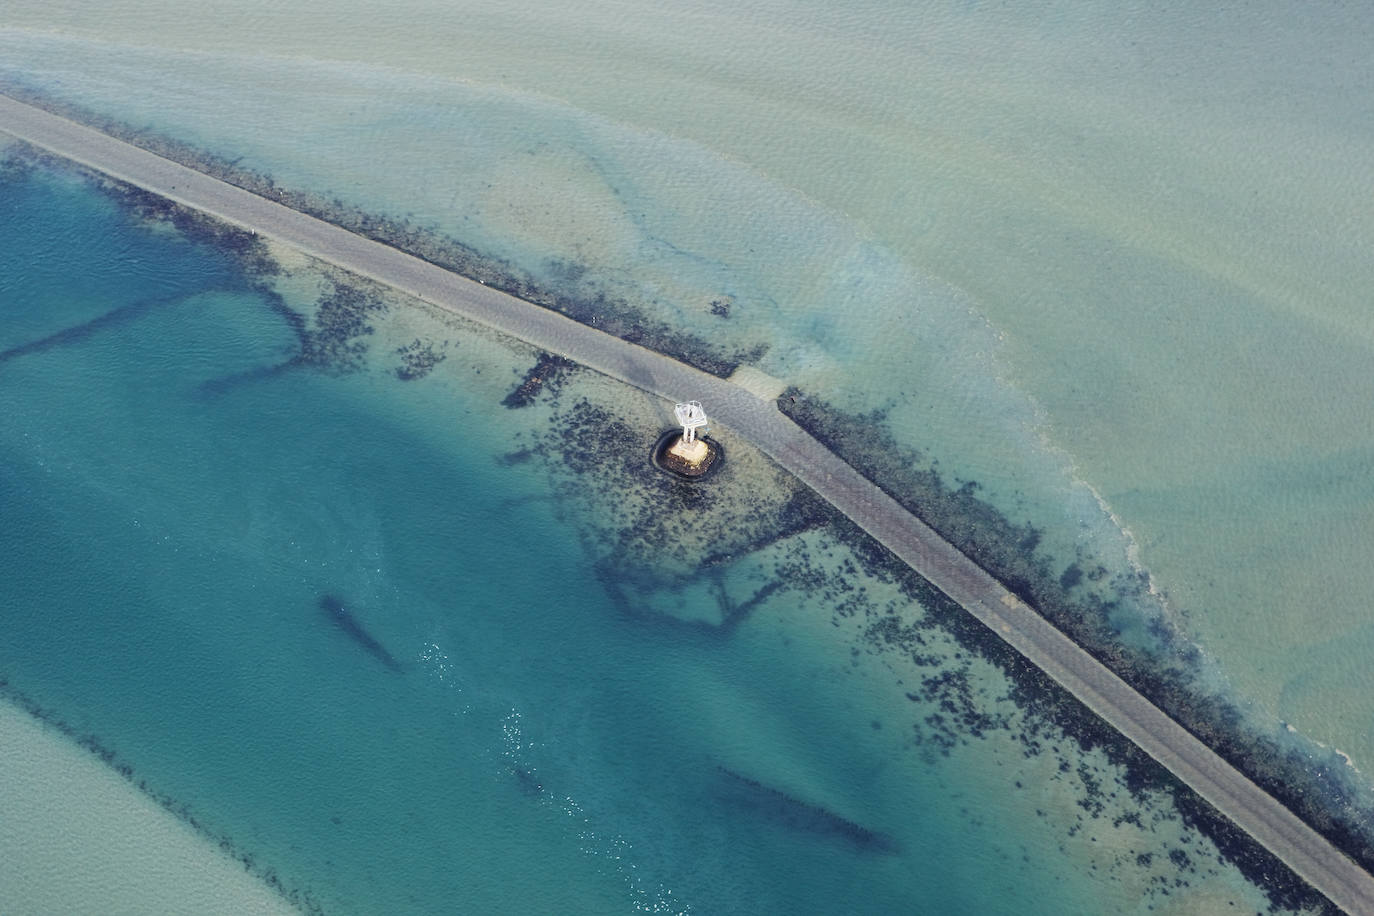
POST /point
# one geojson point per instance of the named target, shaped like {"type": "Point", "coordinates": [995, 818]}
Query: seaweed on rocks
{"type": "Point", "coordinates": [419, 358]}
{"type": "Point", "coordinates": [545, 376]}
{"type": "Point", "coordinates": [336, 343]}
{"type": "Point", "coordinates": [333, 341]}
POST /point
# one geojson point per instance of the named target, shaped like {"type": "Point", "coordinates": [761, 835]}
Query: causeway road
{"type": "Point", "coordinates": [759, 421]}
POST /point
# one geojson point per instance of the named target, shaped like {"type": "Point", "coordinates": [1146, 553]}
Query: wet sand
{"type": "Point", "coordinates": [1310, 855]}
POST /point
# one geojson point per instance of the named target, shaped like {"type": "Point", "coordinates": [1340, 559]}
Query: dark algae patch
{"type": "Point", "coordinates": [419, 358]}
{"type": "Point", "coordinates": [336, 341]}
{"type": "Point", "coordinates": [546, 375]}
{"type": "Point", "coordinates": [654, 536]}
{"type": "Point", "coordinates": [333, 341]}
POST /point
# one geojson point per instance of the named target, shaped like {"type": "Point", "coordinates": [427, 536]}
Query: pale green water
{"type": "Point", "coordinates": [1111, 265]}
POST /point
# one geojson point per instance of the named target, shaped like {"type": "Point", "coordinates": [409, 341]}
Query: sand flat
{"type": "Point", "coordinates": [76, 837]}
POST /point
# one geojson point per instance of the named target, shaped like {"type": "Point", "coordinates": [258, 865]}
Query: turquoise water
{"type": "Point", "coordinates": [166, 553]}
{"type": "Point", "coordinates": [490, 733]}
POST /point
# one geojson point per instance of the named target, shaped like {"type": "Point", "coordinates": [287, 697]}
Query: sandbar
{"type": "Point", "coordinates": [77, 837]}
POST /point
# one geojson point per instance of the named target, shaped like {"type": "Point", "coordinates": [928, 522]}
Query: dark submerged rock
{"type": "Point", "coordinates": [545, 376]}
{"type": "Point", "coordinates": [742, 792]}
{"type": "Point", "coordinates": [338, 613]}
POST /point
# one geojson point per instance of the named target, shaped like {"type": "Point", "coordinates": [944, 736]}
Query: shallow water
{"type": "Point", "coordinates": [1108, 264]}
{"type": "Point", "coordinates": [318, 613]}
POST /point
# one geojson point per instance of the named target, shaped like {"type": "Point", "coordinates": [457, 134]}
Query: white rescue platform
{"type": "Point", "coordinates": [692, 417]}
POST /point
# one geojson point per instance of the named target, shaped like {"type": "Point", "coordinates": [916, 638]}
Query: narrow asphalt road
{"type": "Point", "coordinates": [747, 416]}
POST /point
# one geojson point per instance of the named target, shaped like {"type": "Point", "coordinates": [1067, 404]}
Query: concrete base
{"type": "Point", "coordinates": [689, 460]}
{"type": "Point", "coordinates": [693, 453]}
